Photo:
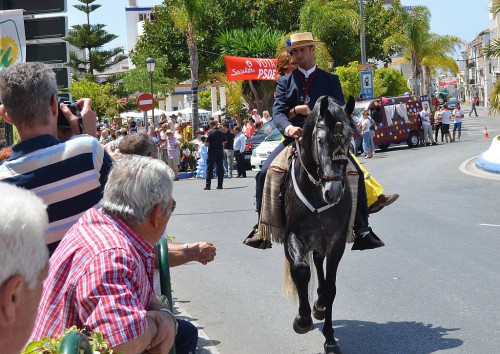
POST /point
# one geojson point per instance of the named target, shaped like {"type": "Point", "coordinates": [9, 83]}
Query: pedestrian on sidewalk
{"type": "Point", "coordinates": [475, 102]}
{"type": "Point", "coordinates": [425, 114]}
{"type": "Point", "coordinates": [438, 124]}
{"type": "Point", "coordinates": [239, 144]}
{"type": "Point", "coordinates": [215, 141]}
{"type": "Point", "coordinates": [445, 123]}
{"type": "Point", "coordinates": [458, 114]}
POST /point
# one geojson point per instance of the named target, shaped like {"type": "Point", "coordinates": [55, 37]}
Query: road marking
{"type": "Point", "coordinates": [489, 225]}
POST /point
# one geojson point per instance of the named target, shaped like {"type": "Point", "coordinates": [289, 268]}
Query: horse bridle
{"type": "Point", "coordinates": [322, 176]}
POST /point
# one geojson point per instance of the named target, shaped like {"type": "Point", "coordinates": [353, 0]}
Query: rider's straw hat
{"type": "Point", "coordinates": [303, 39]}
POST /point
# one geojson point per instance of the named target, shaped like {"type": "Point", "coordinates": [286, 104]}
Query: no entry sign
{"type": "Point", "coordinates": [145, 102]}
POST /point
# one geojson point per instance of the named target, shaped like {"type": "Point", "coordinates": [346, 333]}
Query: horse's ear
{"type": "Point", "coordinates": [349, 106]}
{"type": "Point", "coordinates": [323, 105]}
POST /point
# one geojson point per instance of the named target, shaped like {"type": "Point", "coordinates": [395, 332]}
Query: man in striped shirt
{"type": "Point", "coordinates": [69, 175]}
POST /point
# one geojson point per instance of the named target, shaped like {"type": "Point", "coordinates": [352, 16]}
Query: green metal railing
{"type": "Point", "coordinates": [164, 268]}
{"type": "Point", "coordinates": [75, 343]}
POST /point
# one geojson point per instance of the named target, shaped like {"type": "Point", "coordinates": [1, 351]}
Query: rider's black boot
{"type": "Point", "coordinates": [366, 240]}
{"type": "Point", "coordinates": [365, 237]}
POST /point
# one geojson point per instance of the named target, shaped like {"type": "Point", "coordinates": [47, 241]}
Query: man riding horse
{"type": "Point", "coordinates": [304, 86]}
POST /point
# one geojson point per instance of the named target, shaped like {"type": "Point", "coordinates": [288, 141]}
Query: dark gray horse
{"type": "Point", "coordinates": [317, 206]}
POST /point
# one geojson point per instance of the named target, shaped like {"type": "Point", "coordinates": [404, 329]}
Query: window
{"type": "Point", "coordinates": [377, 117]}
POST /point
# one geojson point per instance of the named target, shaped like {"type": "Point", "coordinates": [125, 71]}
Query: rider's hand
{"type": "Point", "coordinates": [295, 132]}
{"type": "Point", "coordinates": [303, 109]}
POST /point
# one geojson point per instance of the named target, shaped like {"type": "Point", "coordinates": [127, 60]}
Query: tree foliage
{"type": "Point", "coordinates": [91, 37]}
{"type": "Point", "coordinates": [389, 82]}
{"type": "Point", "coordinates": [258, 42]}
{"type": "Point", "coordinates": [386, 82]}
{"type": "Point", "coordinates": [138, 79]}
{"type": "Point", "coordinates": [493, 51]}
{"type": "Point", "coordinates": [342, 36]}
{"type": "Point", "coordinates": [104, 102]}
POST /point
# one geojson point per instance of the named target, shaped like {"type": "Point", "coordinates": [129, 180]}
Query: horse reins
{"type": "Point", "coordinates": [317, 183]}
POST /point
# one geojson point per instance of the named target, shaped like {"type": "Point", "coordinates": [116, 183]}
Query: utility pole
{"type": "Point", "coordinates": [362, 31]}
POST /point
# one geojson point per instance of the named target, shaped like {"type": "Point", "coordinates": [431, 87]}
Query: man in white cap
{"type": "Point", "coordinates": [296, 94]}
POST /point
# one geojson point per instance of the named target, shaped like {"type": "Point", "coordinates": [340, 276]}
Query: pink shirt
{"type": "Point", "coordinates": [101, 278]}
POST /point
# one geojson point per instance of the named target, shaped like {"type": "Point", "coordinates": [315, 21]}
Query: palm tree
{"type": "Point", "coordinates": [493, 51]}
{"type": "Point", "coordinates": [435, 56]}
{"type": "Point", "coordinates": [434, 50]}
{"type": "Point", "coordinates": [258, 42]}
{"type": "Point", "coordinates": [338, 34]}
{"type": "Point", "coordinates": [186, 15]}
{"type": "Point", "coordinates": [412, 39]}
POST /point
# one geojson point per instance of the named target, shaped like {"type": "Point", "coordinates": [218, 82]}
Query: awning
{"type": "Point", "coordinates": [250, 68]}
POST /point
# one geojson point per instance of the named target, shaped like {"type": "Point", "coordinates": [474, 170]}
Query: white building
{"type": "Point", "coordinates": [134, 19]}
{"type": "Point", "coordinates": [181, 97]}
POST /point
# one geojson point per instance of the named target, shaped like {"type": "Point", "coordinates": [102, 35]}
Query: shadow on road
{"type": "Point", "coordinates": [359, 337]}
{"type": "Point", "coordinates": [205, 345]}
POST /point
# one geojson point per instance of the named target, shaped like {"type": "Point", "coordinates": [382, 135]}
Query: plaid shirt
{"type": "Point", "coordinates": [100, 278]}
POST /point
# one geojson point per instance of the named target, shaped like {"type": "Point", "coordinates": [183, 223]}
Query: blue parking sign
{"type": "Point", "coordinates": [367, 85]}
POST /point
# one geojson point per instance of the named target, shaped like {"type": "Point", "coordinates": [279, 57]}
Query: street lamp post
{"type": "Point", "coordinates": [362, 31]}
{"type": "Point", "coordinates": [150, 64]}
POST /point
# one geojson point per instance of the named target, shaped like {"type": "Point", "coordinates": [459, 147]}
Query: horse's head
{"type": "Point", "coordinates": [326, 138]}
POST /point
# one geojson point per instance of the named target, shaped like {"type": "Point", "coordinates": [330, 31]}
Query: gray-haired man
{"type": "Point", "coordinates": [178, 253]}
{"type": "Point", "coordinates": [23, 264]}
{"type": "Point", "coordinates": [104, 266]}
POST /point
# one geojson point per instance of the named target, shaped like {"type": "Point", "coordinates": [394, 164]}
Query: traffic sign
{"type": "Point", "coordinates": [50, 53]}
{"type": "Point", "coordinates": [367, 85]}
{"type": "Point", "coordinates": [46, 27]}
{"type": "Point", "coordinates": [366, 67]}
{"type": "Point", "coordinates": [32, 7]}
{"type": "Point", "coordinates": [145, 102]}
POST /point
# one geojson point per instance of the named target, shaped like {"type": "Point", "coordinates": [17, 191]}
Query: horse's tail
{"type": "Point", "coordinates": [289, 288]}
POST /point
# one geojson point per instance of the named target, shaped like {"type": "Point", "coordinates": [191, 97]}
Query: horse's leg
{"type": "Point", "coordinates": [319, 305]}
{"type": "Point", "coordinates": [332, 263]}
{"type": "Point", "coordinates": [301, 274]}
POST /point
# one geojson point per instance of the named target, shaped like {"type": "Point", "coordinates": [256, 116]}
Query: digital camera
{"type": "Point", "coordinates": [61, 119]}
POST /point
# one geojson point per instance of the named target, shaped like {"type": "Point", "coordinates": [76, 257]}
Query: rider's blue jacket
{"type": "Point", "coordinates": [290, 92]}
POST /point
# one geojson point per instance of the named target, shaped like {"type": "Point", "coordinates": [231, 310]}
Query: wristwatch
{"type": "Point", "coordinates": [164, 309]}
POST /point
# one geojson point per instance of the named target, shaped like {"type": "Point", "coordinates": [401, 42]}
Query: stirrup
{"type": "Point", "coordinates": [254, 241]}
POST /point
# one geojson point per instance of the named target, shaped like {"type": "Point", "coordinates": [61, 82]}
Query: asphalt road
{"type": "Point", "coordinates": [434, 287]}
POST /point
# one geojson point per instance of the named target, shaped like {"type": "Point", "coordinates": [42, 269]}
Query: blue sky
{"type": "Point", "coordinates": [463, 18]}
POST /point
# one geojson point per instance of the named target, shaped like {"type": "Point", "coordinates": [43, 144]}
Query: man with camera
{"type": "Point", "coordinates": [69, 174]}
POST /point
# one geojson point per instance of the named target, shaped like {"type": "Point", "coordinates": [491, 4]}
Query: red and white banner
{"type": "Point", "coordinates": [250, 68]}
{"type": "Point", "coordinates": [448, 82]}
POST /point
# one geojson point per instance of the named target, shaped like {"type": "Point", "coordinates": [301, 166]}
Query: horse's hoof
{"type": "Point", "coordinates": [302, 325]}
{"type": "Point", "coordinates": [318, 311]}
{"type": "Point", "coordinates": [332, 348]}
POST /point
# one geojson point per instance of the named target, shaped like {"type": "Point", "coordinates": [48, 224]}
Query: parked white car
{"type": "Point", "coordinates": [262, 152]}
